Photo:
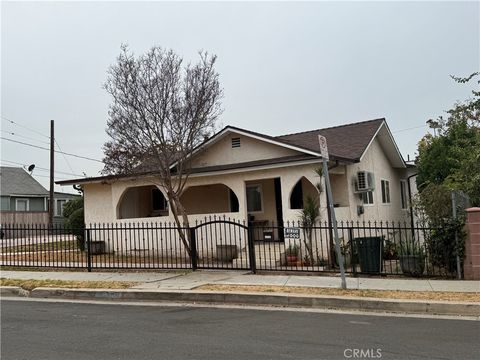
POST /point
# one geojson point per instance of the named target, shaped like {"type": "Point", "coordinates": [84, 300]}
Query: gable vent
{"type": "Point", "coordinates": [235, 142]}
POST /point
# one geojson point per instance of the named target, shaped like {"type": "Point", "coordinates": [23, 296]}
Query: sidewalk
{"type": "Point", "coordinates": [191, 280]}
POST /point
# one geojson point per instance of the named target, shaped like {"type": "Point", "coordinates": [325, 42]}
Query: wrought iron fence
{"type": "Point", "coordinates": [381, 248]}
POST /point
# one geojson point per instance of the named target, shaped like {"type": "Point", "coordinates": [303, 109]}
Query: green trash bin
{"type": "Point", "coordinates": [369, 250]}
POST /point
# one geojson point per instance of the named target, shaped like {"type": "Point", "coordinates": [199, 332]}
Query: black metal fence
{"type": "Point", "coordinates": [385, 248]}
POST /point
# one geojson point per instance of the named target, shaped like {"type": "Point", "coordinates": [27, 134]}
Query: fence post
{"type": "Point", "coordinates": [193, 248]}
{"type": "Point", "coordinates": [352, 250]}
{"type": "Point", "coordinates": [251, 248]}
{"type": "Point", "coordinates": [88, 243]}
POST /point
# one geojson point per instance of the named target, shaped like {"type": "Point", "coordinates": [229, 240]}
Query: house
{"type": "Point", "coordinates": [61, 198]}
{"type": "Point", "coordinates": [24, 200]}
{"type": "Point", "coordinates": [251, 176]}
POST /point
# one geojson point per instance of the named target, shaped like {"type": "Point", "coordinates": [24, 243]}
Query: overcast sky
{"type": "Point", "coordinates": [284, 67]}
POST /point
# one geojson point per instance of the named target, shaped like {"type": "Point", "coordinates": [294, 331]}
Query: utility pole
{"type": "Point", "coordinates": [52, 170]}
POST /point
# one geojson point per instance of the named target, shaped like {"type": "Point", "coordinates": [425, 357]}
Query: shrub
{"type": "Point", "coordinates": [411, 248]}
{"type": "Point", "coordinates": [75, 221]}
{"type": "Point", "coordinates": [292, 250]}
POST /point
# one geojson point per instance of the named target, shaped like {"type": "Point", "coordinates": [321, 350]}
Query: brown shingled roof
{"type": "Point", "coordinates": [345, 141]}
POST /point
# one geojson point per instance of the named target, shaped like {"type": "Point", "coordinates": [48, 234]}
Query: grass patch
{"type": "Point", "coordinates": [382, 294]}
{"type": "Point", "coordinates": [32, 284]}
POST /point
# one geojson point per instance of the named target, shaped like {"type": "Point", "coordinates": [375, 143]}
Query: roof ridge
{"type": "Point", "coordinates": [331, 127]}
{"type": "Point", "coordinates": [12, 167]}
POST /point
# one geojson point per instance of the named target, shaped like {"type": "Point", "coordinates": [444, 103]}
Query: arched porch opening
{"type": "Point", "coordinates": [209, 199]}
{"type": "Point", "coordinates": [142, 202]}
{"type": "Point", "coordinates": [302, 189]}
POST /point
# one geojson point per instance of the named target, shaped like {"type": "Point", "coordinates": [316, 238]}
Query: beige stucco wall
{"type": "Point", "coordinates": [206, 199]}
{"type": "Point", "coordinates": [222, 153]}
{"type": "Point", "coordinates": [98, 203]}
{"type": "Point", "coordinates": [377, 162]}
{"type": "Point", "coordinates": [101, 200]}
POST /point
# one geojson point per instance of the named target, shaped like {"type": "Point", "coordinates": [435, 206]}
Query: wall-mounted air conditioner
{"type": "Point", "coordinates": [364, 181]}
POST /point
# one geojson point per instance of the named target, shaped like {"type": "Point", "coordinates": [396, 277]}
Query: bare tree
{"type": "Point", "coordinates": [161, 110]}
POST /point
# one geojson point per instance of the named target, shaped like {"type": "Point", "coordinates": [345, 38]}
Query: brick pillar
{"type": "Point", "coordinates": [471, 266]}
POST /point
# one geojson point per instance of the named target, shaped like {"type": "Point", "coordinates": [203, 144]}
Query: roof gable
{"type": "Point", "coordinates": [16, 181]}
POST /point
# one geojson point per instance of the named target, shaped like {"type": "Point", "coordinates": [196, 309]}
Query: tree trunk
{"type": "Point", "coordinates": [177, 208]}
{"type": "Point", "coordinates": [308, 244]}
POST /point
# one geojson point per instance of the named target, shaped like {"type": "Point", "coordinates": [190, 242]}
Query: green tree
{"type": "Point", "coordinates": [452, 157]}
{"type": "Point", "coordinates": [446, 162]}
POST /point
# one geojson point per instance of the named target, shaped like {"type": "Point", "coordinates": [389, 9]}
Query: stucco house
{"type": "Point", "coordinates": [245, 176]}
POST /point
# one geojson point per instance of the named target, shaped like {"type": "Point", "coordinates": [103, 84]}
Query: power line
{"type": "Point", "coordinates": [25, 127]}
{"type": "Point", "coordinates": [40, 168]}
{"type": "Point", "coordinates": [44, 148]}
{"type": "Point", "coordinates": [412, 128]}
{"type": "Point", "coordinates": [66, 160]}
{"type": "Point", "coordinates": [48, 176]}
{"type": "Point", "coordinates": [23, 136]}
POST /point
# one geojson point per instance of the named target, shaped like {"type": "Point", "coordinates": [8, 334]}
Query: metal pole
{"type": "Point", "coordinates": [334, 223]}
{"type": "Point", "coordinates": [412, 222]}
{"type": "Point", "coordinates": [52, 166]}
{"type": "Point", "coordinates": [193, 248]}
{"type": "Point", "coordinates": [454, 213]}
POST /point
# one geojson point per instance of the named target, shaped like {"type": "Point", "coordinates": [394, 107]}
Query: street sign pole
{"type": "Point", "coordinates": [324, 152]}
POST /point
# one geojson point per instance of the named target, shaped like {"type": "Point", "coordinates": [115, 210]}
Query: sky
{"type": "Point", "coordinates": [284, 67]}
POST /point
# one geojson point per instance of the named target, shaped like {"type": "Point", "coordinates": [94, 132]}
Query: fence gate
{"type": "Point", "coordinates": [221, 244]}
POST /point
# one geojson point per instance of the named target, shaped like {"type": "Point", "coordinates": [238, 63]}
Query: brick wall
{"type": "Point", "coordinates": [472, 245]}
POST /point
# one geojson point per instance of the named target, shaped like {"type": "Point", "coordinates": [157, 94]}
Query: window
{"type": "Point", "coordinates": [385, 192]}
{"type": "Point", "coordinates": [59, 204]}
{"type": "Point", "coordinates": [367, 197]}
{"type": "Point", "coordinates": [403, 193]}
{"type": "Point", "coordinates": [158, 200]}
{"type": "Point", "coordinates": [254, 198]}
{"type": "Point", "coordinates": [22, 205]}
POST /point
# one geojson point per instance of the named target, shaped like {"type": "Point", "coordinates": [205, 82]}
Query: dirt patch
{"type": "Point", "coordinates": [383, 294]}
{"type": "Point", "coordinates": [32, 284]}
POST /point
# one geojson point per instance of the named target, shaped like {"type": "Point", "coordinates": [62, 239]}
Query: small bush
{"type": "Point", "coordinates": [75, 221]}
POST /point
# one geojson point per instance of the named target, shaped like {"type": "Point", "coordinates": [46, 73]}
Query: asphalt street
{"type": "Point", "coordinates": [50, 330]}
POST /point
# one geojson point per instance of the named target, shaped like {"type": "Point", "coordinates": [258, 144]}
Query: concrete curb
{"type": "Point", "coordinates": [13, 291]}
{"type": "Point", "coordinates": [283, 300]}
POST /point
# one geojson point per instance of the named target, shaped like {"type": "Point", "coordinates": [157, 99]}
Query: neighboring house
{"type": "Point", "coordinates": [245, 175]}
{"type": "Point", "coordinates": [24, 200]}
{"type": "Point", "coordinates": [61, 199]}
